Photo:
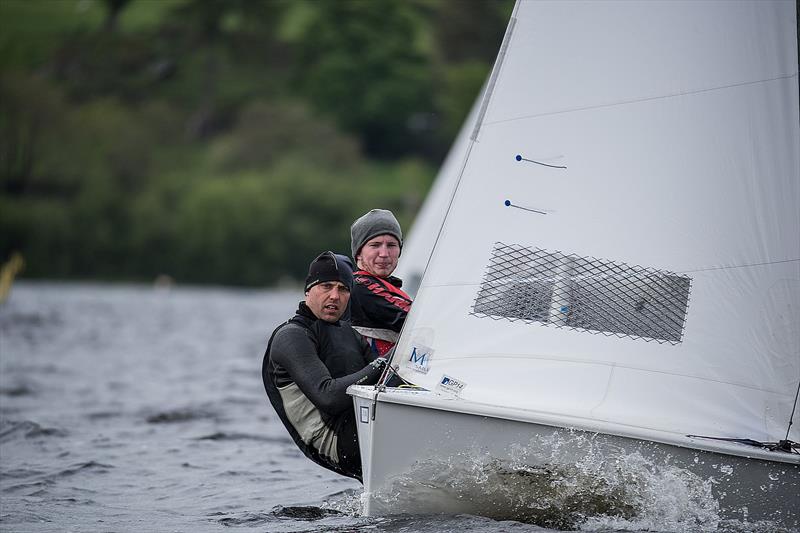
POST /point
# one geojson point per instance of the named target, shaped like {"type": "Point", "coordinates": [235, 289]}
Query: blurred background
{"type": "Point", "coordinates": [223, 141]}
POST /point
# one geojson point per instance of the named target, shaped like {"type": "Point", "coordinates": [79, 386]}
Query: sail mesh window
{"type": "Point", "coordinates": [584, 293]}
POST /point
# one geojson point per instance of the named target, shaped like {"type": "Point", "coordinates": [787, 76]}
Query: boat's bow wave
{"type": "Point", "coordinates": [537, 485]}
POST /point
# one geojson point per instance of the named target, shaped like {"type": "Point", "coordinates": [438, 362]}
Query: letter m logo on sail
{"type": "Point", "coordinates": [420, 358]}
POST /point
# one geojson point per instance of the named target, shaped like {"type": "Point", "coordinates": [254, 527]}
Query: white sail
{"type": "Point", "coordinates": [651, 287]}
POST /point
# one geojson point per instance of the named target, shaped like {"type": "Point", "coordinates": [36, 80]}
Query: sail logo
{"type": "Point", "coordinates": [451, 385]}
{"type": "Point", "coordinates": [420, 358]}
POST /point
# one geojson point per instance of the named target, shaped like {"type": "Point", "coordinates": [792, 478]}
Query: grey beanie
{"type": "Point", "coordinates": [374, 223]}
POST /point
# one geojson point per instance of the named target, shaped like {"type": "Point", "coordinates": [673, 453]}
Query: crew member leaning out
{"type": "Point", "coordinates": [311, 360]}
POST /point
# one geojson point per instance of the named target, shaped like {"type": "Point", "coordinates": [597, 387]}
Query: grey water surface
{"type": "Point", "coordinates": [130, 408]}
{"type": "Point", "coordinates": [133, 408]}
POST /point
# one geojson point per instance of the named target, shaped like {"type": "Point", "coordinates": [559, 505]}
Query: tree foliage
{"type": "Point", "coordinates": [224, 141]}
{"type": "Point", "coordinates": [361, 63]}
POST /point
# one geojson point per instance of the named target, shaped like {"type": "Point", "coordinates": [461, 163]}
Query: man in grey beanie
{"type": "Point", "coordinates": [378, 305]}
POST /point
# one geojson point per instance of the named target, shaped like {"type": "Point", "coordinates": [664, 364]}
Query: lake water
{"type": "Point", "coordinates": [126, 408]}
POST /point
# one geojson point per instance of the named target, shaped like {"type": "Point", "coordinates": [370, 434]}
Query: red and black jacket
{"type": "Point", "coordinates": [378, 303]}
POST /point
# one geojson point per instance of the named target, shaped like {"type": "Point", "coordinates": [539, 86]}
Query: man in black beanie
{"type": "Point", "coordinates": [309, 363]}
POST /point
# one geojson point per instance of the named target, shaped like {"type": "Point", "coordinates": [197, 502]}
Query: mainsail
{"type": "Point", "coordinates": [622, 252]}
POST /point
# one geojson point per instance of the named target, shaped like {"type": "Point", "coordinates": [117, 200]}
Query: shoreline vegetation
{"type": "Point", "coordinates": [223, 143]}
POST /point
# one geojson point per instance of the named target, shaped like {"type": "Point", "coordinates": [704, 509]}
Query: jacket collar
{"type": "Point", "coordinates": [397, 282]}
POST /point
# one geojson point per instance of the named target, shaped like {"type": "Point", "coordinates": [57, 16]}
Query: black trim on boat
{"type": "Point", "coordinates": [786, 446]}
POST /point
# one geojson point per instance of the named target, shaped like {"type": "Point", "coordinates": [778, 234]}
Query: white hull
{"type": "Point", "coordinates": [425, 454]}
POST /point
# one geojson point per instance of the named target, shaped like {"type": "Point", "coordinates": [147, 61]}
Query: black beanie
{"type": "Point", "coordinates": [329, 266]}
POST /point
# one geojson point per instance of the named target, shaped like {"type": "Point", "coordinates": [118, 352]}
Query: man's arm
{"type": "Point", "coordinates": [293, 349]}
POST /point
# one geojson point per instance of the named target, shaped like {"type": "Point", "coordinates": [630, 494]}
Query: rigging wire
{"type": "Point", "coordinates": [791, 417]}
{"type": "Point", "coordinates": [782, 445]}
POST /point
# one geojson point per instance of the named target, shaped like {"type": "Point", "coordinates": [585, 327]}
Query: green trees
{"type": "Point", "coordinates": [363, 63]}
{"type": "Point", "coordinates": [222, 142]}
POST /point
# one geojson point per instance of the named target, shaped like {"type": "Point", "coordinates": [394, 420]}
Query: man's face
{"type": "Point", "coordinates": [328, 300]}
{"type": "Point", "coordinates": [379, 256]}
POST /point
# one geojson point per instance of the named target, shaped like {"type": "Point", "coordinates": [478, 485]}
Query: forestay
{"type": "Point", "coordinates": [652, 284]}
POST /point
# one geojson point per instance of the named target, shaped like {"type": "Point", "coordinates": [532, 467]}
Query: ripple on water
{"type": "Point", "coordinates": [20, 389]}
{"type": "Point", "coordinates": [32, 321]}
{"type": "Point", "coordinates": [34, 328]}
{"type": "Point", "coordinates": [35, 482]}
{"type": "Point", "coordinates": [247, 519]}
{"type": "Point", "coordinates": [37, 485]}
{"type": "Point", "coordinates": [76, 468]}
{"type": "Point", "coordinates": [11, 430]}
{"type": "Point", "coordinates": [290, 514]}
{"type": "Point", "coordinates": [185, 414]}
{"type": "Point", "coordinates": [104, 415]}
{"type": "Point", "coordinates": [233, 436]}
{"type": "Point", "coordinates": [298, 512]}
{"type": "Point", "coordinates": [23, 516]}
{"type": "Point", "coordinates": [242, 400]}
{"type": "Point", "coordinates": [19, 473]}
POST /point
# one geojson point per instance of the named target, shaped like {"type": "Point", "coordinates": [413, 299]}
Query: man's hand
{"type": "Point", "coordinates": [379, 363]}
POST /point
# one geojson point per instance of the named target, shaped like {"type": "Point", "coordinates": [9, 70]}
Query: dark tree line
{"type": "Point", "coordinates": [224, 141]}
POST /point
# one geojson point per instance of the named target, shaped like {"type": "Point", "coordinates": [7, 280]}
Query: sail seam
{"type": "Point", "coordinates": [741, 266]}
{"type": "Point", "coordinates": [606, 392]}
{"type": "Point", "coordinates": [640, 100]}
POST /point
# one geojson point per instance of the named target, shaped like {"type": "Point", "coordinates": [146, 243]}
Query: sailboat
{"type": "Point", "coordinates": [611, 312]}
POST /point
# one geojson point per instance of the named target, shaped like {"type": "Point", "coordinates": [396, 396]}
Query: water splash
{"type": "Point", "coordinates": [348, 502]}
{"type": "Point", "coordinates": [566, 481]}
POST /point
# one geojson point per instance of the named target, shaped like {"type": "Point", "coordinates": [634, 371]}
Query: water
{"type": "Point", "coordinates": [127, 408]}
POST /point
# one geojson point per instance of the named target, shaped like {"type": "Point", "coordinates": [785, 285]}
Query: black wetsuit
{"type": "Point", "coordinates": [308, 365]}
